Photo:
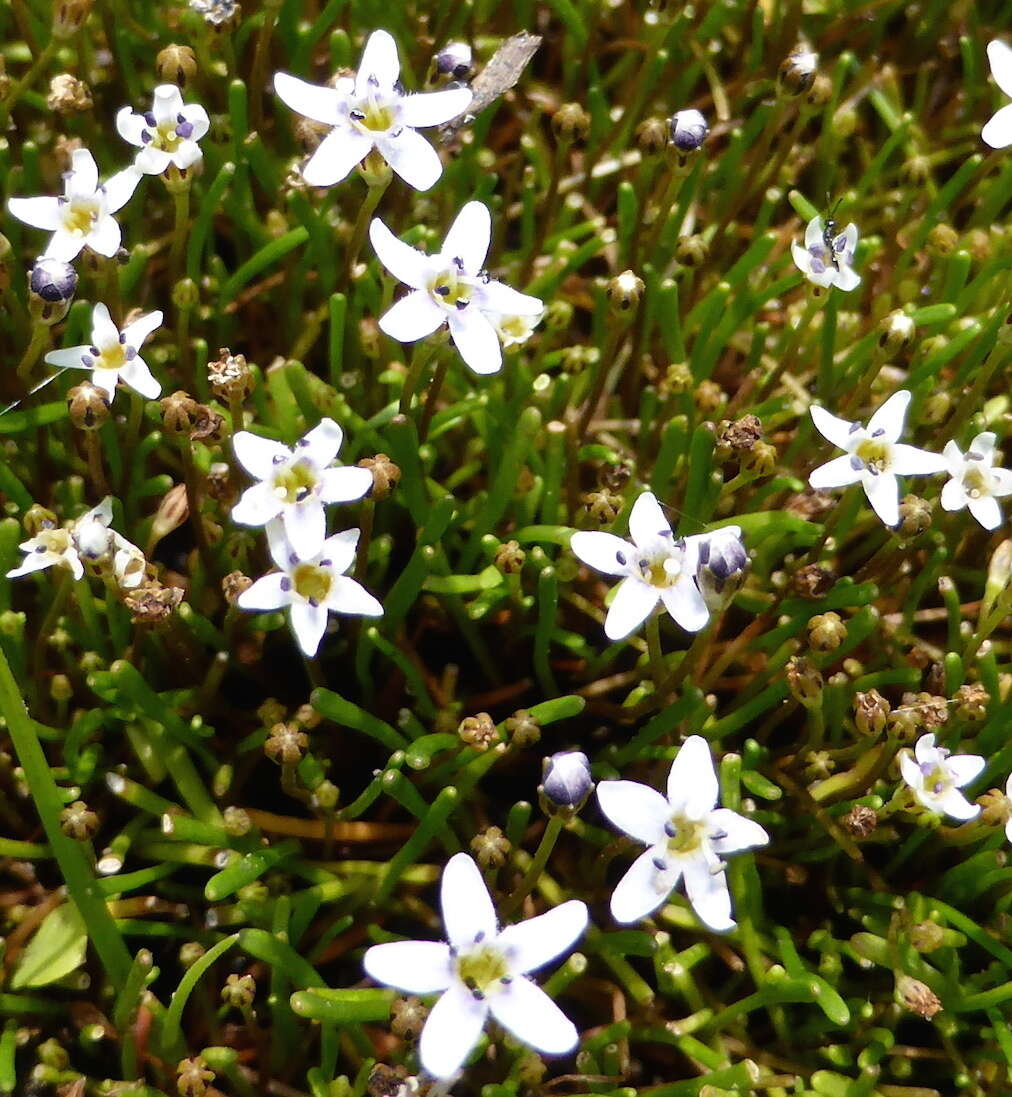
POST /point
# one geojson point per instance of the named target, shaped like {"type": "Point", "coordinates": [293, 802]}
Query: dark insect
{"type": "Point", "coordinates": [834, 244]}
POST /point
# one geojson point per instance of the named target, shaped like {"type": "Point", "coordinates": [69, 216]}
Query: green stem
{"type": "Point", "coordinates": [40, 339]}
{"type": "Point", "coordinates": [655, 653]}
{"type": "Point", "coordinates": [181, 205]}
{"type": "Point", "coordinates": [77, 874]}
{"type": "Point", "coordinates": [420, 360]}
{"type": "Point", "coordinates": [14, 94]}
{"type": "Point", "coordinates": [536, 867]}
{"type": "Point", "coordinates": [372, 200]}
{"type": "Point", "coordinates": [432, 396]}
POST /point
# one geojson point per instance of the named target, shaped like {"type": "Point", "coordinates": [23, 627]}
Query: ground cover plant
{"type": "Point", "coordinates": [504, 574]}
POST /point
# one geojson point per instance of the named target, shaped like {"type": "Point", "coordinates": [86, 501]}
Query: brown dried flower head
{"type": "Point", "coordinates": [478, 731]}
{"type": "Point", "coordinates": [68, 95]}
{"type": "Point", "coordinates": [286, 744]}
{"type": "Point", "coordinates": [385, 474]}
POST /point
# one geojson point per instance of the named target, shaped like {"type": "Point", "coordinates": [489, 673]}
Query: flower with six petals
{"type": "Point", "coordinates": [294, 484]}
{"type": "Point", "coordinates": [166, 134]}
{"type": "Point", "coordinates": [311, 588]}
{"type": "Point", "coordinates": [83, 217]}
{"type": "Point", "coordinates": [112, 355]}
{"type": "Point", "coordinates": [481, 970]}
{"type": "Point", "coordinates": [656, 567]}
{"type": "Point", "coordinates": [874, 456]}
{"type": "Point", "coordinates": [451, 288]}
{"type": "Point", "coordinates": [975, 482]}
{"type": "Point", "coordinates": [936, 776]}
{"type": "Point", "coordinates": [688, 836]}
{"type": "Point", "coordinates": [372, 111]}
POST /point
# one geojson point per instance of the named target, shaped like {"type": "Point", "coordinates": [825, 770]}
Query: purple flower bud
{"type": "Point", "coordinates": [567, 782]}
{"type": "Point", "coordinates": [53, 279]}
{"type": "Point", "coordinates": [688, 130]}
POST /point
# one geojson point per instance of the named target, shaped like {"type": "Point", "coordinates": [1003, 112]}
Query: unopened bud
{"type": "Point", "coordinates": [177, 64]}
{"type": "Point", "coordinates": [454, 59]}
{"type": "Point", "coordinates": [692, 250]}
{"type": "Point", "coordinates": [797, 71]}
{"type": "Point", "coordinates": [52, 284]}
{"type": "Point", "coordinates": [897, 332]}
{"type": "Point", "coordinates": [652, 135]}
{"type": "Point", "coordinates": [688, 130]}
{"type": "Point", "coordinates": [624, 290]}
{"type": "Point", "coordinates": [723, 566]}
{"type": "Point", "coordinates": [566, 783]}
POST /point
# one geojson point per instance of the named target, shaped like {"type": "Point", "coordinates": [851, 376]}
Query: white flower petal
{"type": "Point", "coordinates": [603, 551]}
{"type": "Point", "coordinates": [104, 333]}
{"type": "Point", "coordinates": [68, 358]}
{"type": "Point", "coordinates": [686, 604]}
{"type": "Point", "coordinates": [195, 114]}
{"type": "Point", "coordinates": [953, 495]}
{"type": "Point", "coordinates": [106, 380]}
{"type": "Point", "coordinates": [404, 262]}
{"type": "Point", "coordinates": [379, 61]}
{"type": "Point", "coordinates": [435, 107]}
{"type": "Point", "coordinates": [814, 232]}
{"type": "Point", "coordinates": [638, 810]}
{"type": "Point", "coordinates": [412, 157]}
{"type": "Point", "coordinates": [533, 1018]}
{"type": "Point", "coordinates": [1008, 831]}
{"type": "Point", "coordinates": [152, 161]}
{"type": "Point", "coordinates": [119, 188]}
{"type": "Point", "coordinates": [187, 154]}
{"type": "Point", "coordinates": [847, 278]}
{"type": "Point", "coordinates": [1000, 56]}
{"type": "Point", "coordinates": [476, 340]}
{"type": "Point", "coordinates": [344, 485]}
{"type": "Point", "coordinates": [340, 550]}
{"type": "Point", "coordinates": [849, 243]}
{"type": "Point", "coordinates": [532, 944]}
{"type": "Point", "coordinates": [838, 473]}
{"type": "Point", "coordinates": [349, 596]}
{"type": "Point", "coordinates": [954, 459]}
{"type": "Point", "coordinates": [643, 889]}
{"type": "Point", "coordinates": [257, 506]}
{"type": "Point", "coordinates": [925, 750]}
{"type": "Point", "coordinates": [137, 375]}
{"type": "Point", "coordinates": [412, 317]}
{"type": "Point", "coordinates": [708, 894]}
{"type": "Point", "coordinates": [309, 623]}
{"type": "Point", "coordinates": [997, 132]}
{"type": "Point", "coordinates": [1001, 482]}
{"type": "Point", "coordinates": [647, 521]}
{"type": "Point", "coordinates": [986, 510]}
{"type": "Point", "coordinates": [692, 779]}
{"type": "Point", "coordinates": [831, 427]}
{"type": "Point", "coordinates": [311, 100]}
{"type": "Point", "coordinates": [64, 245]}
{"type": "Point", "coordinates": [277, 541]}
{"type": "Point", "coordinates": [168, 102]}
{"type": "Point", "coordinates": [890, 416]}
{"type": "Point", "coordinates": [40, 213]}
{"type": "Point", "coordinates": [134, 334]}
{"type": "Point", "coordinates": [417, 967]}
{"type": "Point", "coordinates": [83, 178]}
{"type": "Point", "coordinates": [266, 593]}
{"type": "Point", "coordinates": [911, 771]}
{"type": "Point", "coordinates": [965, 768]}
{"type": "Point", "coordinates": [883, 493]}
{"type": "Point", "coordinates": [258, 455]}
{"type": "Point", "coordinates": [497, 297]}
{"type": "Point", "coordinates": [802, 258]}
{"type": "Point", "coordinates": [305, 527]}
{"type": "Point", "coordinates": [739, 833]}
{"type": "Point", "coordinates": [104, 237]}
{"type": "Point", "coordinates": [335, 156]}
{"type": "Point", "coordinates": [907, 460]}
{"type": "Point", "coordinates": [451, 1031]}
{"type": "Point", "coordinates": [633, 603]}
{"type": "Point", "coordinates": [469, 237]}
{"type": "Point", "coordinates": [320, 445]}
{"type": "Point", "coordinates": [468, 913]}
{"type": "Point", "coordinates": [34, 561]}
{"type": "Point", "coordinates": [954, 804]}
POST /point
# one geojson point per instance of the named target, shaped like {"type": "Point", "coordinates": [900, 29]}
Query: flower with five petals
{"type": "Point", "coordinates": [874, 456]}
{"type": "Point", "coordinates": [83, 217]}
{"type": "Point", "coordinates": [372, 111]}
{"type": "Point", "coordinates": [688, 836]}
{"type": "Point", "coordinates": [451, 288]}
{"type": "Point", "coordinates": [481, 970]}
{"type": "Point", "coordinates": [112, 355]}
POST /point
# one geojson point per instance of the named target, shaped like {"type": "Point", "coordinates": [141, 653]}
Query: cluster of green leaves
{"type": "Point", "coordinates": [161, 726]}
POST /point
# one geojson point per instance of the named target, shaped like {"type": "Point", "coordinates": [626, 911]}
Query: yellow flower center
{"type": "Point", "coordinates": [660, 570]}
{"type": "Point", "coordinates": [373, 116]}
{"type": "Point", "coordinates": [295, 482]}
{"type": "Point", "coordinates": [875, 454]}
{"type": "Point", "coordinates": [975, 482]}
{"type": "Point", "coordinates": [112, 358]}
{"type": "Point", "coordinates": [56, 541]}
{"type": "Point", "coordinates": [79, 216]}
{"type": "Point", "coordinates": [688, 835]}
{"type": "Point", "coordinates": [450, 290]}
{"type": "Point", "coordinates": [312, 582]}
{"type": "Point", "coordinates": [164, 137]}
{"type": "Point", "coordinates": [482, 969]}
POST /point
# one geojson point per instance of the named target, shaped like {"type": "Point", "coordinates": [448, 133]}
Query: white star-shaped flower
{"type": "Point", "coordinates": [311, 588]}
{"type": "Point", "coordinates": [998, 131]}
{"type": "Point", "coordinates": [372, 111]}
{"type": "Point", "coordinates": [874, 457]}
{"type": "Point", "coordinates": [976, 483]}
{"type": "Point", "coordinates": [295, 483]}
{"type": "Point", "coordinates": [936, 778]}
{"type": "Point", "coordinates": [481, 970]}
{"type": "Point", "coordinates": [112, 355]}
{"type": "Point", "coordinates": [688, 835]}
{"type": "Point", "coordinates": [656, 567]}
{"type": "Point", "coordinates": [83, 216]}
{"type": "Point", "coordinates": [166, 134]}
{"type": "Point", "coordinates": [827, 264]}
{"type": "Point", "coordinates": [88, 540]}
{"type": "Point", "coordinates": [451, 288]}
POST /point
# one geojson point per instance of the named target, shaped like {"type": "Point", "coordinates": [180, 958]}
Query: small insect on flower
{"type": "Point", "coordinates": [827, 257]}
{"type": "Point", "coordinates": [112, 356]}
{"type": "Point", "coordinates": [311, 588]}
{"type": "Point", "coordinates": [481, 970]}
{"type": "Point", "coordinates": [688, 835]}
{"type": "Point", "coordinates": [656, 567]}
{"type": "Point", "coordinates": [936, 776]}
{"type": "Point", "coordinates": [874, 456]}
{"type": "Point", "coordinates": [452, 288]}
{"type": "Point", "coordinates": [166, 134]}
{"type": "Point", "coordinates": [998, 131]}
{"type": "Point", "coordinates": [294, 484]}
{"type": "Point", "coordinates": [83, 217]}
{"type": "Point", "coordinates": [976, 483]}
{"type": "Point", "coordinates": [372, 111]}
